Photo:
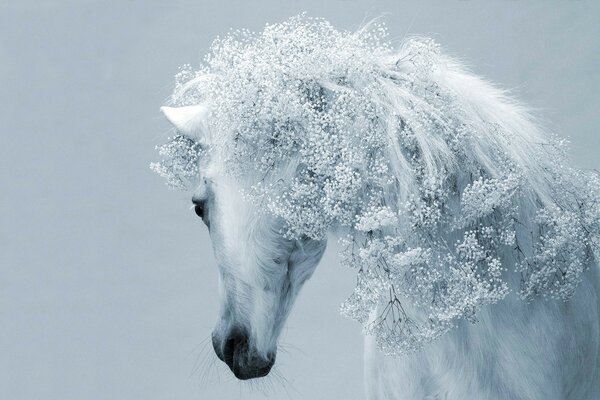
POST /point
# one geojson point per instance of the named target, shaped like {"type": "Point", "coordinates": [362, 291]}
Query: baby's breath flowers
{"type": "Point", "coordinates": [437, 198]}
{"type": "Point", "coordinates": [181, 158]}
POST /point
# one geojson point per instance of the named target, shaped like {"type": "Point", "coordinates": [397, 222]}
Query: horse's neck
{"type": "Point", "coordinates": [516, 350]}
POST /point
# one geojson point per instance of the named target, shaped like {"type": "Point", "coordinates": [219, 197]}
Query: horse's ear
{"type": "Point", "coordinates": [189, 120]}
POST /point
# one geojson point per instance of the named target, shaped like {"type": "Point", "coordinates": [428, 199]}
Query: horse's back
{"type": "Point", "coordinates": [546, 350]}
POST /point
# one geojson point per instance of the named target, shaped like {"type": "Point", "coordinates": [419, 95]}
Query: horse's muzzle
{"type": "Point", "coordinates": [236, 352]}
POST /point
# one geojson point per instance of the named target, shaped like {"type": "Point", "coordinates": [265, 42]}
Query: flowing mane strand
{"type": "Point", "coordinates": [443, 189]}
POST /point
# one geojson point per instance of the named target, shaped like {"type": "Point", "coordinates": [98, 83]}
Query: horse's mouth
{"type": "Point", "coordinates": [247, 366]}
{"type": "Point", "coordinates": [250, 372]}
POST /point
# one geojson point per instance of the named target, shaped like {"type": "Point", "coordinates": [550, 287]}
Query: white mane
{"type": "Point", "coordinates": [444, 189]}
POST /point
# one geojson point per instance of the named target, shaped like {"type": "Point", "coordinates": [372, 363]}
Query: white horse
{"type": "Point", "coordinates": [490, 269]}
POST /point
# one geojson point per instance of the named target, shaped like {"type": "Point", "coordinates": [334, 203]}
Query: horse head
{"type": "Point", "coordinates": [261, 270]}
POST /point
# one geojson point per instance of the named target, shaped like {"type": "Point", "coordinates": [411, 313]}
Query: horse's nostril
{"type": "Point", "coordinates": [228, 351]}
{"type": "Point", "coordinates": [237, 341]}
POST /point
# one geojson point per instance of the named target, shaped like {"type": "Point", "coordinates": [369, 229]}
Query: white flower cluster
{"type": "Point", "coordinates": [336, 130]}
{"type": "Point", "coordinates": [181, 159]}
{"type": "Point", "coordinates": [483, 196]}
{"type": "Point", "coordinates": [376, 218]}
{"type": "Point", "coordinates": [560, 255]}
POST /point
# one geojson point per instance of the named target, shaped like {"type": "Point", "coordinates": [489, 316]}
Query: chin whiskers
{"type": "Point", "coordinates": [205, 367]}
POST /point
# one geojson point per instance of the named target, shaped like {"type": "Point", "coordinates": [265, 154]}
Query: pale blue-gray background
{"type": "Point", "coordinates": [107, 280]}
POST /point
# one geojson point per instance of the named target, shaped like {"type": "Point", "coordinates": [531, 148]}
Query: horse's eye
{"type": "Point", "coordinates": [199, 209]}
